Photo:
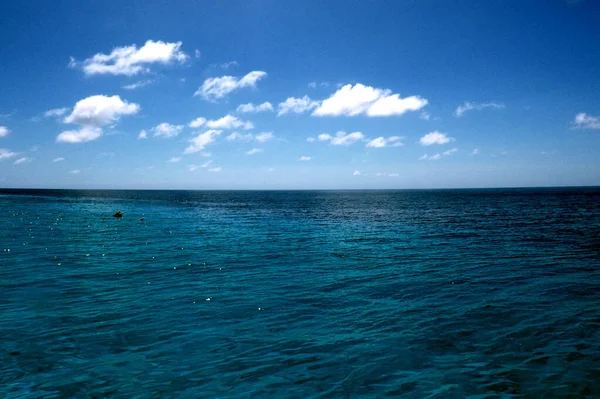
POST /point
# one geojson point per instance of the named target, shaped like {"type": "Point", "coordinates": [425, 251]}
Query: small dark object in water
{"type": "Point", "coordinates": [14, 353]}
{"type": "Point", "coordinates": [141, 218]}
{"type": "Point", "coordinates": [119, 214]}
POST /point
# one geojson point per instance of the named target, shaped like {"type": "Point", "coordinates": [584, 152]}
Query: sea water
{"type": "Point", "coordinates": [300, 294]}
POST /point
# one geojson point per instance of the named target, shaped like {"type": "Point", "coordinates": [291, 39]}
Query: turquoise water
{"type": "Point", "coordinates": [375, 294]}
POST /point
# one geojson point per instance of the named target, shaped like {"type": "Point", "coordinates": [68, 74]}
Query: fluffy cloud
{"type": "Point", "coordinates": [143, 135]}
{"type": "Point", "coordinates": [310, 139]}
{"type": "Point", "coordinates": [229, 122]}
{"type": "Point", "coordinates": [166, 130]}
{"type": "Point", "coordinates": [356, 173]}
{"type": "Point", "coordinates": [380, 142]}
{"type": "Point", "coordinates": [254, 151]}
{"type": "Point", "coordinates": [100, 110]}
{"type": "Point", "coordinates": [59, 159]}
{"type": "Point", "coordinates": [304, 158]}
{"type": "Point", "coordinates": [297, 105]}
{"type": "Point", "coordinates": [130, 60]}
{"type": "Point", "coordinates": [7, 154]}
{"type": "Point", "coordinates": [342, 138]}
{"type": "Point", "coordinates": [425, 115]}
{"type": "Point", "coordinates": [86, 133]}
{"type": "Point", "coordinates": [4, 131]}
{"type": "Point", "coordinates": [263, 137]}
{"type": "Point", "coordinates": [137, 85]}
{"type": "Point", "coordinates": [21, 160]}
{"type": "Point", "coordinates": [435, 138]}
{"type": "Point", "coordinates": [585, 121]}
{"type": "Point", "coordinates": [174, 159]}
{"type": "Point", "coordinates": [360, 99]}
{"type": "Point", "coordinates": [245, 108]}
{"type": "Point", "coordinates": [214, 88]}
{"type": "Point", "coordinates": [468, 106]}
{"type": "Point", "coordinates": [202, 140]}
{"type": "Point", "coordinates": [435, 157]}
{"type": "Point", "coordinates": [55, 112]}
{"type": "Point", "coordinates": [475, 151]}
{"type": "Point", "coordinates": [198, 122]}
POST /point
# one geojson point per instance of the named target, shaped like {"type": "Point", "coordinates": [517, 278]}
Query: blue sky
{"type": "Point", "coordinates": [312, 94]}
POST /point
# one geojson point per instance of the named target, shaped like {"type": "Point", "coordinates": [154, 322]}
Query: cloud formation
{"type": "Point", "coordinates": [380, 142]}
{"type": "Point", "coordinates": [7, 154]}
{"type": "Point", "coordinates": [304, 158]}
{"type": "Point", "coordinates": [59, 159]}
{"type": "Point", "coordinates": [21, 160]}
{"type": "Point", "coordinates": [202, 140]}
{"type": "Point", "coordinates": [137, 85]}
{"type": "Point", "coordinates": [215, 88]}
{"type": "Point", "coordinates": [198, 122]}
{"type": "Point", "coordinates": [342, 138]}
{"type": "Point", "coordinates": [437, 156]}
{"type": "Point", "coordinates": [246, 108]}
{"type": "Point", "coordinates": [585, 121]}
{"type": "Point", "coordinates": [435, 137]}
{"type": "Point", "coordinates": [56, 112]}
{"type": "Point", "coordinates": [143, 135]}
{"type": "Point", "coordinates": [468, 106]}
{"type": "Point", "coordinates": [297, 105]}
{"type": "Point", "coordinates": [130, 60]}
{"type": "Point", "coordinates": [166, 130]}
{"type": "Point", "coordinates": [229, 122]}
{"type": "Point", "coordinates": [254, 151]}
{"type": "Point", "coordinates": [351, 100]}
{"type": "Point", "coordinates": [86, 133]}
{"type": "Point", "coordinates": [100, 110]}
{"type": "Point", "coordinates": [4, 131]}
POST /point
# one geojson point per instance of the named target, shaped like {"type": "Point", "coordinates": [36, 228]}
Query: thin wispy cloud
{"type": "Point", "coordinates": [469, 106]}
{"type": "Point", "coordinates": [342, 138]}
{"type": "Point", "coordinates": [380, 142]}
{"type": "Point", "coordinates": [22, 161]}
{"type": "Point", "coordinates": [437, 156]}
{"type": "Point", "coordinates": [138, 84]}
{"type": "Point", "coordinates": [251, 108]}
{"type": "Point", "coordinates": [296, 105]}
{"type": "Point", "coordinates": [304, 158]}
{"type": "Point", "coordinates": [254, 151]}
{"type": "Point", "coordinates": [216, 88]}
{"type": "Point", "coordinates": [7, 154]}
{"type": "Point", "coordinates": [59, 159]}
{"type": "Point", "coordinates": [585, 121]}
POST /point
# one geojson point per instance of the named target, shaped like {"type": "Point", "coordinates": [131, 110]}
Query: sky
{"type": "Point", "coordinates": [271, 94]}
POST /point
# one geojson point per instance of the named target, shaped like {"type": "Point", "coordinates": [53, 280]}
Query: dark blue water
{"type": "Point", "coordinates": [378, 294]}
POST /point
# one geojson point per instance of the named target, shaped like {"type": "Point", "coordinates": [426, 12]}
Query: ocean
{"type": "Point", "coordinates": [300, 294]}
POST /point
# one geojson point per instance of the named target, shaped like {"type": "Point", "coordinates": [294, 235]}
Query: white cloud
{"type": "Point", "coordinates": [312, 85]}
{"type": "Point", "coordinates": [245, 108]}
{"type": "Point", "coordinates": [254, 151]}
{"type": "Point", "coordinates": [297, 105]}
{"type": "Point", "coordinates": [217, 169]}
{"type": "Point", "coordinates": [424, 115]}
{"type": "Point", "coordinates": [380, 142]}
{"type": "Point", "coordinates": [198, 122]}
{"type": "Point", "coordinates": [228, 64]}
{"type": "Point", "coordinates": [100, 110]}
{"type": "Point", "coordinates": [4, 131]}
{"type": "Point", "coordinates": [229, 122]}
{"type": "Point", "coordinates": [201, 141]}
{"type": "Point", "coordinates": [207, 164]}
{"type": "Point", "coordinates": [167, 130]}
{"type": "Point", "coordinates": [21, 160]}
{"type": "Point", "coordinates": [304, 158]}
{"type": "Point", "coordinates": [356, 173]}
{"type": "Point", "coordinates": [435, 137]}
{"type": "Point", "coordinates": [263, 137]}
{"type": "Point", "coordinates": [56, 112]}
{"type": "Point", "coordinates": [360, 99]}
{"type": "Point", "coordinates": [468, 106]}
{"type": "Point", "coordinates": [342, 138]}
{"type": "Point", "coordinates": [193, 167]}
{"type": "Point", "coordinates": [137, 85]}
{"type": "Point", "coordinates": [215, 88]}
{"type": "Point", "coordinates": [393, 174]}
{"type": "Point", "coordinates": [310, 139]}
{"type": "Point", "coordinates": [143, 135]}
{"type": "Point", "coordinates": [585, 121]}
{"type": "Point", "coordinates": [435, 157]}
{"type": "Point", "coordinates": [86, 133]}
{"type": "Point", "coordinates": [130, 60]}
{"type": "Point", "coordinates": [59, 159]}
{"type": "Point", "coordinates": [239, 136]}
{"type": "Point", "coordinates": [75, 171]}
{"type": "Point", "coordinates": [7, 154]}
{"type": "Point", "coordinates": [475, 151]}
{"type": "Point", "coordinates": [197, 53]}
{"type": "Point", "coordinates": [174, 159]}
